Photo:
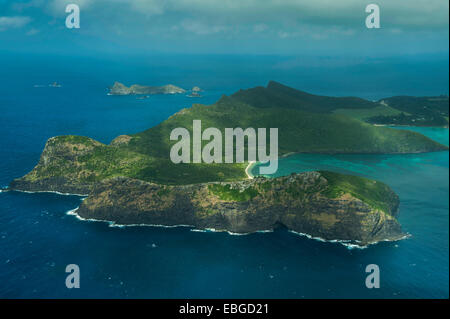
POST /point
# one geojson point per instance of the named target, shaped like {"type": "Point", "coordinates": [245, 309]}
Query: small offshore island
{"type": "Point", "coordinates": [120, 89]}
{"type": "Point", "coordinates": [132, 180]}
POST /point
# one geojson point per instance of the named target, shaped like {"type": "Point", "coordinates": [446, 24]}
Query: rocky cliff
{"type": "Point", "coordinates": [310, 203]}
{"type": "Point", "coordinates": [61, 167]}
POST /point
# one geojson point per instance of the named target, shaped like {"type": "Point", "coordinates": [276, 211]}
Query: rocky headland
{"type": "Point", "coordinates": [309, 203]}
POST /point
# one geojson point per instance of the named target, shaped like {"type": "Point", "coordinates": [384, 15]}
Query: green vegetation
{"type": "Point", "coordinates": [279, 95]}
{"type": "Point", "coordinates": [75, 139]}
{"type": "Point", "coordinates": [163, 192]}
{"type": "Point", "coordinates": [417, 111]}
{"type": "Point", "coordinates": [409, 110]}
{"type": "Point", "coordinates": [376, 194]}
{"type": "Point", "coordinates": [225, 192]}
{"type": "Point", "coordinates": [298, 131]}
{"type": "Point", "coordinates": [365, 114]}
{"type": "Point", "coordinates": [103, 161]}
{"type": "Point", "coordinates": [145, 155]}
{"type": "Point", "coordinates": [419, 105]}
{"type": "Point", "coordinates": [399, 110]}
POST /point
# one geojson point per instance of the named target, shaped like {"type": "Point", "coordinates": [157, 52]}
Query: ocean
{"type": "Point", "coordinates": [38, 239]}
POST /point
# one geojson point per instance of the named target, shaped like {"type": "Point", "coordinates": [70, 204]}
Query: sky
{"type": "Point", "coordinates": [280, 27]}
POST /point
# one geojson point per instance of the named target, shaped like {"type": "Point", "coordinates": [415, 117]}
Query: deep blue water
{"type": "Point", "coordinates": [38, 239]}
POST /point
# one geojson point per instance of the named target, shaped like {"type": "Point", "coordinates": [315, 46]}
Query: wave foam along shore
{"type": "Point", "coordinates": [4, 189]}
{"type": "Point", "coordinates": [73, 212]}
{"type": "Point", "coordinates": [48, 192]}
{"type": "Point", "coordinates": [347, 243]}
{"type": "Point", "coordinates": [213, 230]}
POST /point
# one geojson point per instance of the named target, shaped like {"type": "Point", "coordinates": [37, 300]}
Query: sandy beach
{"type": "Point", "coordinates": [248, 169]}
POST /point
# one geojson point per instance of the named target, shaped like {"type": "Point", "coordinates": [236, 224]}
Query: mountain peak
{"type": "Point", "coordinates": [274, 84]}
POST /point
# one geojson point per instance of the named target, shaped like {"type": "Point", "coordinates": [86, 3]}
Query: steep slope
{"type": "Point", "coordinates": [400, 110]}
{"type": "Point", "coordinates": [279, 95]}
{"type": "Point", "coordinates": [75, 164]}
{"type": "Point", "coordinates": [298, 131]}
{"type": "Point", "coordinates": [314, 203]}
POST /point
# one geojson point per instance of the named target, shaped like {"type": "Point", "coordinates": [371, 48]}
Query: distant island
{"type": "Point", "coordinates": [133, 181]}
{"type": "Point", "coordinates": [53, 85]}
{"type": "Point", "coordinates": [120, 89]}
{"type": "Point", "coordinates": [195, 92]}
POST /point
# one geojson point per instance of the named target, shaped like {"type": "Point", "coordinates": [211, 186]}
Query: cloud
{"type": "Point", "coordinates": [21, 6]}
{"type": "Point", "coordinates": [252, 20]}
{"type": "Point", "coordinates": [271, 25]}
{"type": "Point", "coordinates": [148, 7]}
{"type": "Point", "coordinates": [145, 7]}
{"type": "Point", "coordinates": [395, 14]}
{"type": "Point", "coordinates": [260, 27]}
{"type": "Point", "coordinates": [317, 20]}
{"type": "Point", "coordinates": [13, 22]}
{"type": "Point", "coordinates": [320, 62]}
{"type": "Point", "coordinates": [57, 7]}
{"type": "Point", "coordinates": [200, 28]}
{"type": "Point", "coordinates": [410, 13]}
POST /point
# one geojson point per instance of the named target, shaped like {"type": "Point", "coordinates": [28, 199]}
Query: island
{"type": "Point", "coordinates": [325, 205]}
{"type": "Point", "coordinates": [120, 89]}
{"type": "Point", "coordinates": [195, 92]}
{"type": "Point", "coordinates": [133, 181]}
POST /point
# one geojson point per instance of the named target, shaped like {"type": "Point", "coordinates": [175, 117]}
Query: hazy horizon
{"type": "Point", "coordinates": [300, 27]}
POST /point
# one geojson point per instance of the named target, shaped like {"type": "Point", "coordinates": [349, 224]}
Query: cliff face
{"type": "Point", "coordinates": [321, 204]}
{"type": "Point", "coordinates": [301, 202]}
{"type": "Point", "coordinates": [120, 89]}
{"type": "Point", "coordinates": [60, 168]}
